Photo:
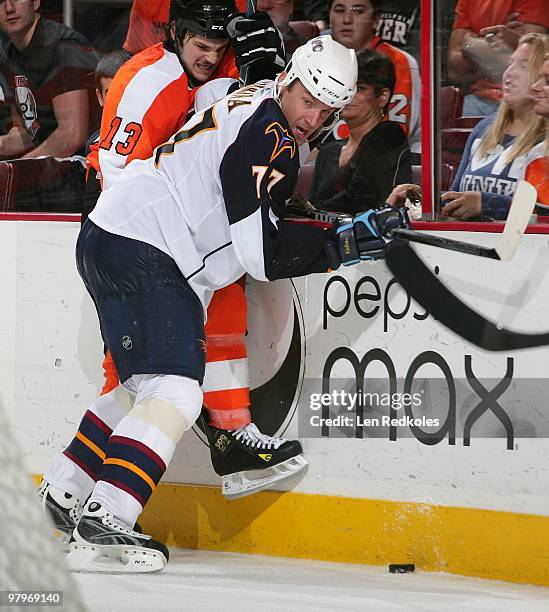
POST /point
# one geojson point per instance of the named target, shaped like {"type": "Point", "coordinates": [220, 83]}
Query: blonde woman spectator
{"type": "Point", "coordinates": [501, 146]}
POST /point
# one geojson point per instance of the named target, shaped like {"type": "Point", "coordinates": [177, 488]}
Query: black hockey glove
{"type": "Point", "coordinates": [257, 45]}
{"type": "Point", "coordinates": [366, 236]}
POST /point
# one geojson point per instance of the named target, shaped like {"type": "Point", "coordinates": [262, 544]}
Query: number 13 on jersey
{"type": "Point", "coordinates": [125, 139]}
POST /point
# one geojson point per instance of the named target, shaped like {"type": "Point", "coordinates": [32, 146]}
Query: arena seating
{"type": "Point", "coordinates": [451, 105]}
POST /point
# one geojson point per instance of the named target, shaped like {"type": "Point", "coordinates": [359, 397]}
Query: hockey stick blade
{"type": "Point", "coordinates": [424, 287]}
{"type": "Point", "coordinates": [519, 215]}
{"type": "Point", "coordinates": [522, 207]}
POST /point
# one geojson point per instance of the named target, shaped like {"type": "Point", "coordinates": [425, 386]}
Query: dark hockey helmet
{"type": "Point", "coordinates": [203, 17]}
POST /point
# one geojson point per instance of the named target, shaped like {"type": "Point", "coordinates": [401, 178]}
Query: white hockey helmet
{"type": "Point", "coordinates": [326, 68]}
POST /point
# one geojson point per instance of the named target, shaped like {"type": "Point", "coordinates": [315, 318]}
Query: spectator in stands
{"type": "Point", "coordinates": [360, 172]}
{"type": "Point", "coordinates": [58, 185]}
{"type": "Point", "coordinates": [352, 23]}
{"type": "Point", "coordinates": [502, 145]}
{"type": "Point", "coordinates": [49, 70]}
{"type": "Point", "coordinates": [280, 11]}
{"type": "Point", "coordinates": [537, 172]}
{"type": "Point", "coordinates": [148, 23]}
{"type": "Point", "coordinates": [398, 23]}
{"type": "Point", "coordinates": [315, 11]}
{"type": "Point", "coordinates": [106, 68]}
{"type": "Point", "coordinates": [478, 54]}
{"type": "Point", "coordinates": [105, 71]}
{"type": "Point", "coordinates": [149, 20]}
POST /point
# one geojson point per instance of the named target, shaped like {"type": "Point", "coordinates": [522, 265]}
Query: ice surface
{"type": "Point", "coordinates": [211, 581]}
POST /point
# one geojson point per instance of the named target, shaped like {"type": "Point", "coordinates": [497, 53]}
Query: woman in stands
{"type": "Point", "coordinates": [503, 145]}
{"type": "Point", "coordinates": [359, 173]}
{"type": "Point", "coordinates": [537, 172]}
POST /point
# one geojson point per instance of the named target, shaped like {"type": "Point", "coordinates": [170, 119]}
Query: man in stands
{"type": "Point", "coordinates": [49, 70]}
{"type": "Point", "coordinates": [148, 24]}
{"type": "Point", "coordinates": [245, 165]}
{"type": "Point", "coordinates": [280, 11]}
{"type": "Point", "coordinates": [484, 35]}
{"type": "Point", "coordinates": [398, 23]}
{"type": "Point", "coordinates": [353, 25]}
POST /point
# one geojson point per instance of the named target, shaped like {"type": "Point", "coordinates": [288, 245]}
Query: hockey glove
{"type": "Point", "coordinates": [257, 45]}
{"type": "Point", "coordinates": [365, 238]}
{"type": "Point", "coordinates": [389, 218]}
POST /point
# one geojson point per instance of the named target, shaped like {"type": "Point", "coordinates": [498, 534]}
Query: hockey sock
{"type": "Point", "coordinates": [77, 469]}
{"type": "Point", "coordinates": [226, 383]}
{"type": "Point", "coordinates": [142, 444]}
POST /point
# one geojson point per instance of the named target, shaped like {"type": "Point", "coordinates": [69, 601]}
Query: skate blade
{"type": "Point", "coordinates": [117, 559]}
{"type": "Point", "coordinates": [242, 484]}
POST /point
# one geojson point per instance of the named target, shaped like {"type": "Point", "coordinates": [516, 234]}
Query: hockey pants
{"type": "Point", "coordinates": [226, 385]}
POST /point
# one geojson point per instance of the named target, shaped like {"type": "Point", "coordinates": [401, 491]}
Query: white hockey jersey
{"type": "Point", "coordinates": [213, 197]}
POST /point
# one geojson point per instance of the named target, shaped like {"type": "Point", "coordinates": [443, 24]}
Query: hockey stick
{"type": "Point", "coordinates": [519, 215]}
{"type": "Point", "coordinates": [422, 285]}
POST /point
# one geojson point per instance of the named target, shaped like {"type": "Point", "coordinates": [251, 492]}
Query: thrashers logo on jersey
{"type": "Point", "coordinates": [283, 140]}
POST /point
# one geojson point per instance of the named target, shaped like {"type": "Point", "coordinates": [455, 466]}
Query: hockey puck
{"type": "Point", "coordinates": [401, 568]}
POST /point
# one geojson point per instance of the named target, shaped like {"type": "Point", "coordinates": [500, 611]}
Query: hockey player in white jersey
{"type": "Point", "coordinates": [164, 237]}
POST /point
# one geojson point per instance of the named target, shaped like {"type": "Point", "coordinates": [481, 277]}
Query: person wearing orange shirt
{"type": "Point", "coordinates": [483, 37]}
{"type": "Point", "coordinates": [148, 101]}
{"type": "Point", "coordinates": [537, 172]}
{"type": "Point", "coordinates": [148, 23]}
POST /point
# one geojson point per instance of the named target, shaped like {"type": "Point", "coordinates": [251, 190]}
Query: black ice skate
{"type": "Point", "coordinates": [249, 461]}
{"type": "Point", "coordinates": [64, 509]}
{"type": "Point", "coordinates": [103, 543]}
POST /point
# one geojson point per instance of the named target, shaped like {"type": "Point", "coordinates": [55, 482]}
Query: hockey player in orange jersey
{"type": "Point", "coordinates": [148, 101]}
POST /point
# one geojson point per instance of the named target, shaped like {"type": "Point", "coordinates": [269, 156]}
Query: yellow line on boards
{"type": "Point", "coordinates": [468, 541]}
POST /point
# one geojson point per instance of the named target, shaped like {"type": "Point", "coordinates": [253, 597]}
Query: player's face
{"type": "Point", "coordinates": [304, 112]}
{"type": "Point", "coordinates": [280, 11]}
{"type": "Point", "coordinates": [200, 55]}
{"type": "Point", "coordinates": [352, 23]}
{"type": "Point", "coordinates": [365, 104]}
{"type": "Point", "coordinates": [540, 89]}
{"type": "Point", "coordinates": [516, 79]}
{"type": "Point", "coordinates": [17, 16]}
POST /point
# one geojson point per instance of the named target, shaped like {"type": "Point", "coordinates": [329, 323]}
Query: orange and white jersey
{"type": "Point", "coordinates": [405, 105]}
{"type": "Point", "coordinates": [148, 101]}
